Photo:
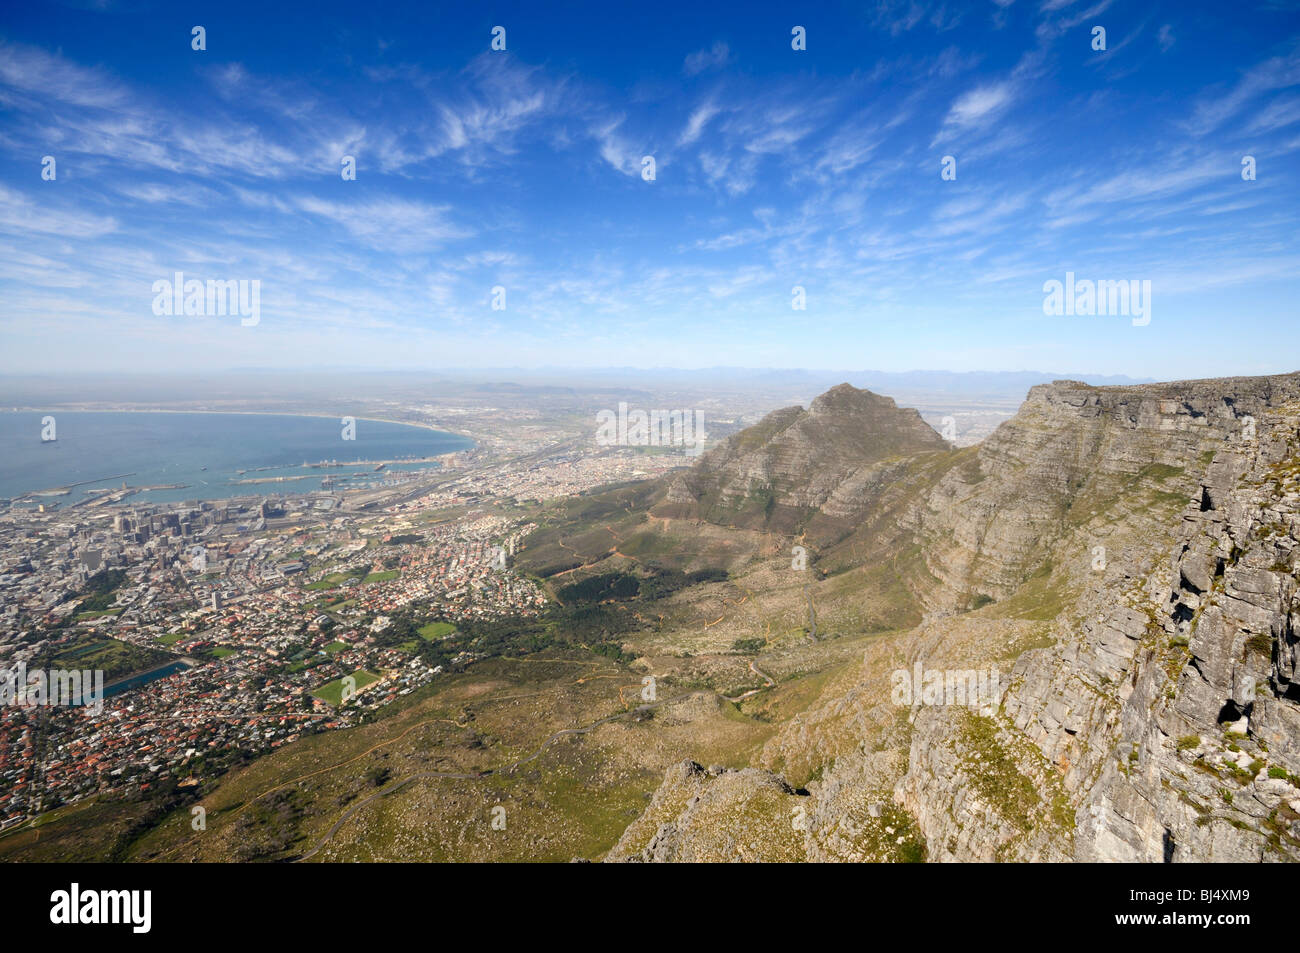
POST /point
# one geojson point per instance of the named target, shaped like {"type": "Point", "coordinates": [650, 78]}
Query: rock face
{"type": "Point", "coordinates": [1164, 723]}
{"type": "Point", "coordinates": [1131, 554]}
{"type": "Point", "coordinates": [1196, 681]}
{"type": "Point", "coordinates": [830, 460]}
{"type": "Point", "coordinates": [693, 817]}
{"type": "Point", "coordinates": [1071, 451]}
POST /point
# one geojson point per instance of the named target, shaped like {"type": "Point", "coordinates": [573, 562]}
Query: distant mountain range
{"type": "Point", "coordinates": [249, 384]}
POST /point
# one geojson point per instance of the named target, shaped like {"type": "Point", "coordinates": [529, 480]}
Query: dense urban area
{"type": "Point", "coordinates": [228, 628]}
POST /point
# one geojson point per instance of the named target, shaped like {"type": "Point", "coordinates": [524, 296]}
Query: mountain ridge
{"type": "Point", "coordinates": [1127, 555]}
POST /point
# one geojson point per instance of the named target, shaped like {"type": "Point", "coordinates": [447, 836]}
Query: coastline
{"type": "Point", "coordinates": [64, 489]}
{"type": "Point", "coordinates": [254, 413]}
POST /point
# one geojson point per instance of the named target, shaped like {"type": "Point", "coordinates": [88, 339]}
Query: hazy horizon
{"type": "Point", "coordinates": [858, 433]}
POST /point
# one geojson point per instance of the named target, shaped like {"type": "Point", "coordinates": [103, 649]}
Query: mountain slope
{"type": "Point", "coordinates": [1134, 548]}
{"type": "Point", "coordinates": [830, 461]}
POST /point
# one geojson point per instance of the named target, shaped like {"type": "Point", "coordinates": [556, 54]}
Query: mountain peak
{"type": "Point", "coordinates": [846, 398]}
{"type": "Point", "coordinates": [786, 467]}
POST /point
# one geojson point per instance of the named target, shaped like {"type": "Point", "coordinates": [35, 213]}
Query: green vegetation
{"type": "Point", "coordinates": [116, 659]}
{"type": "Point", "coordinates": [610, 585]}
{"type": "Point", "coordinates": [332, 692]}
{"type": "Point", "coordinates": [1041, 598]}
{"type": "Point", "coordinates": [435, 631]}
{"type": "Point", "coordinates": [997, 768]}
{"type": "Point", "coordinates": [99, 614]}
{"type": "Point", "coordinates": [101, 591]}
{"type": "Point", "coordinates": [1260, 644]}
{"type": "Point", "coordinates": [659, 583]}
{"type": "Point", "coordinates": [593, 615]}
{"type": "Point", "coordinates": [328, 582]}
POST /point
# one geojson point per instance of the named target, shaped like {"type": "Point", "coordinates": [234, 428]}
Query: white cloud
{"type": "Point", "coordinates": [21, 216]}
{"type": "Point", "coordinates": [975, 107]}
{"type": "Point", "coordinates": [695, 124]}
{"type": "Point", "coordinates": [1213, 111]}
{"type": "Point", "coordinates": [389, 224]}
{"type": "Point", "coordinates": [699, 61]}
{"type": "Point", "coordinates": [617, 149]}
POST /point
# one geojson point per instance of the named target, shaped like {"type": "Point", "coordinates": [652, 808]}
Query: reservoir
{"type": "Point", "coordinates": [143, 678]}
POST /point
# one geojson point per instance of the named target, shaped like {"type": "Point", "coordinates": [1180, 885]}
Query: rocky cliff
{"type": "Point", "coordinates": [1129, 557]}
{"type": "Point", "coordinates": [1076, 455]}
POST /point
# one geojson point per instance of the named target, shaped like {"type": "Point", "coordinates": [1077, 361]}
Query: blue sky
{"type": "Point", "coordinates": [774, 168]}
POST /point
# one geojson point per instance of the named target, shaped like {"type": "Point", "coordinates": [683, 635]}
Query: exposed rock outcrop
{"type": "Point", "coordinates": [832, 460]}
{"type": "Point", "coordinates": [1168, 706]}
{"type": "Point", "coordinates": [1071, 453]}
{"type": "Point", "coordinates": [1131, 554]}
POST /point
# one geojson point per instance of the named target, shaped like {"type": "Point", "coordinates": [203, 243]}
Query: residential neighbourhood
{"type": "Point", "coordinates": [236, 626]}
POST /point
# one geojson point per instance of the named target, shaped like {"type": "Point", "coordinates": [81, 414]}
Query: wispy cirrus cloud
{"type": "Point", "coordinates": [1215, 109]}
{"type": "Point", "coordinates": [522, 169]}
{"type": "Point", "coordinates": [389, 224]}
{"type": "Point", "coordinates": [715, 57]}
{"type": "Point", "coordinates": [974, 107]}
{"type": "Point", "coordinates": [21, 215]}
{"type": "Point", "coordinates": [699, 118]}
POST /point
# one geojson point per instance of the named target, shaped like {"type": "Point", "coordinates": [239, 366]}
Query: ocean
{"type": "Point", "coordinates": [204, 452]}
